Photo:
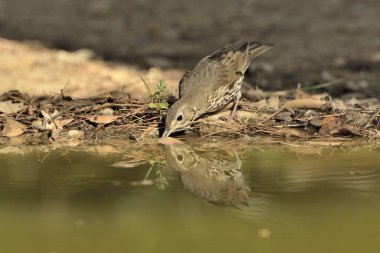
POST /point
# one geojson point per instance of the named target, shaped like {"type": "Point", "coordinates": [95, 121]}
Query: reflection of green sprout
{"type": "Point", "coordinates": [157, 96]}
{"type": "Point", "coordinates": [161, 181]}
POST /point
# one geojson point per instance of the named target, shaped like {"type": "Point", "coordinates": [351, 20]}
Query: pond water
{"type": "Point", "coordinates": [191, 199]}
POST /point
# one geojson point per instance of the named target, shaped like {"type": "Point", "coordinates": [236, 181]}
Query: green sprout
{"type": "Point", "coordinates": [156, 98]}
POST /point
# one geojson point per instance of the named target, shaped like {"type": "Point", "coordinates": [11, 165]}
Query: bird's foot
{"type": "Point", "coordinates": [233, 116]}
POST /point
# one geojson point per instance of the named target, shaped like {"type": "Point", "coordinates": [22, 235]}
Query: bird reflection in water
{"type": "Point", "coordinates": [211, 175]}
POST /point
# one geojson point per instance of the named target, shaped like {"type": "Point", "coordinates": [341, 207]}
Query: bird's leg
{"type": "Point", "coordinates": [233, 114]}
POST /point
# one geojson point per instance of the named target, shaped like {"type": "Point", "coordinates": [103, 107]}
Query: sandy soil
{"type": "Point", "coordinates": [34, 69]}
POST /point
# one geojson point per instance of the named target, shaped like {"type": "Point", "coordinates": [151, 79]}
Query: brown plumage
{"type": "Point", "coordinates": [214, 82]}
{"type": "Point", "coordinates": [214, 175]}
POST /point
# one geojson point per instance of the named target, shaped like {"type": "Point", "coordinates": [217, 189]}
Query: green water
{"type": "Point", "coordinates": [192, 200]}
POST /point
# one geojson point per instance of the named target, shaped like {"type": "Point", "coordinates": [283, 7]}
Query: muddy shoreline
{"type": "Point", "coordinates": [298, 115]}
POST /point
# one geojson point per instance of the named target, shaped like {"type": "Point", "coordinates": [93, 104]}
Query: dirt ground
{"type": "Point", "coordinates": [38, 71]}
{"type": "Point", "coordinates": [285, 114]}
{"type": "Point", "coordinates": [62, 88]}
{"type": "Point", "coordinates": [316, 41]}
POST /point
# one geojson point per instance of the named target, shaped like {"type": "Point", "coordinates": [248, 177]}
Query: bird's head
{"type": "Point", "coordinates": [179, 117]}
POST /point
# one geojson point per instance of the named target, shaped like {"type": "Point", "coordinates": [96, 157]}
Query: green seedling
{"type": "Point", "coordinates": [156, 98]}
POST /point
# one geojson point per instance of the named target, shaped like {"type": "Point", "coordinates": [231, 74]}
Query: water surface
{"type": "Point", "coordinates": [191, 199]}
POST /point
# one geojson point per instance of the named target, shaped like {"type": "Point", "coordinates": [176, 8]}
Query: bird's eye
{"type": "Point", "coordinates": [180, 158]}
{"type": "Point", "coordinates": [179, 117]}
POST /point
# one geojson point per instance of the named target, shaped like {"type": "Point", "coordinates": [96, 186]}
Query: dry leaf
{"type": "Point", "coordinates": [169, 141]}
{"type": "Point", "coordinates": [151, 131]}
{"type": "Point", "coordinates": [328, 124]}
{"type": "Point", "coordinates": [260, 104]}
{"type": "Point", "coordinates": [12, 128]}
{"type": "Point", "coordinates": [274, 102]}
{"type": "Point", "coordinates": [48, 122]}
{"type": "Point", "coordinates": [7, 107]}
{"type": "Point", "coordinates": [49, 116]}
{"type": "Point", "coordinates": [300, 94]}
{"type": "Point", "coordinates": [61, 123]}
{"type": "Point", "coordinates": [45, 114]}
{"type": "Point", "coordinates": [102, 119]}
{"type": "Point", "coordinates": [48, 125]}
{"type": "Point", "coordinates": [37, 124]}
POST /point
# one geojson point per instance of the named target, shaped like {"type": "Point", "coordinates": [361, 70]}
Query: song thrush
{"type": "Point", "coordinates": [213, 175]}
{"type": "Point", "coordinates": [214, 82]}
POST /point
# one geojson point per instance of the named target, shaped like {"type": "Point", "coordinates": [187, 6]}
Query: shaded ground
{"type": "Point", "coordinates": [315, 41]}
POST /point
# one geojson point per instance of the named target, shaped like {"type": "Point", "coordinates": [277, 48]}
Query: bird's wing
{"type": "Point", "coordinates": [183, 84]}
{"type": "Point", "coordinates": [240, 53]}
{"type": "Point", "coordinates": [222, 68]}
{"type": "Point", "coordinates": [193, 77]}
{"type": "Point", "coordinates": [207, 77]}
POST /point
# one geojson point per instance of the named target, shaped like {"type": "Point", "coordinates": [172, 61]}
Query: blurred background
{"type": "Point", "coordinates": [316, 41]}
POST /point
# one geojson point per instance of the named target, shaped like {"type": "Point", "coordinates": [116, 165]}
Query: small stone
{"type": "Point", "coordinates": [284, 116]}
{"type": "Point", "coordinates": [74, 134]}
{"type": "Point", "coordinates": [316, 123]}
{"type": "Point", "coordinates": [106, 111]}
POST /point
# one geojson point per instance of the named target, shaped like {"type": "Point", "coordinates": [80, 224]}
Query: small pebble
{"type": "Point", "coordinates": [74, 134]}
{"type": "Point", "coordinates": [284, 116]}
{"type": "Point", "coordinates": [106, 111]}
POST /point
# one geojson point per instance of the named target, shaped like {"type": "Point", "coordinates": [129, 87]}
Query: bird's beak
{"type": "Point", "coordinates": [166, 133]}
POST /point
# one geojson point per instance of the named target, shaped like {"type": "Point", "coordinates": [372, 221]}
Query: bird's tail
{"type": "Point", "coordinates": [254, 48]}
{"type": "Point", "coordinates": [257, 48]}
{"type": "Point", "coordinates": [241, 53]}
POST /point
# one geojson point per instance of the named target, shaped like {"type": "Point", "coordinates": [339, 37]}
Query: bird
{"type": "Point", "coordinates": [212, 84]}
{"type": "Point", "coordinates": [214, 176]}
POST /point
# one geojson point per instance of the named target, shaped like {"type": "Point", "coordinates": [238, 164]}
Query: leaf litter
{"type": "Point", "coordinates": [115, 115]}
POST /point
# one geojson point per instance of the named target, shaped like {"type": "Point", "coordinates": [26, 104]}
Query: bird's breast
{"type": "Point", "coordinates": [223, 95]}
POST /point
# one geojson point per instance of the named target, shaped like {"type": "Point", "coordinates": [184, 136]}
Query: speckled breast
{"type": "Point", "coordinates": [223, 95]}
